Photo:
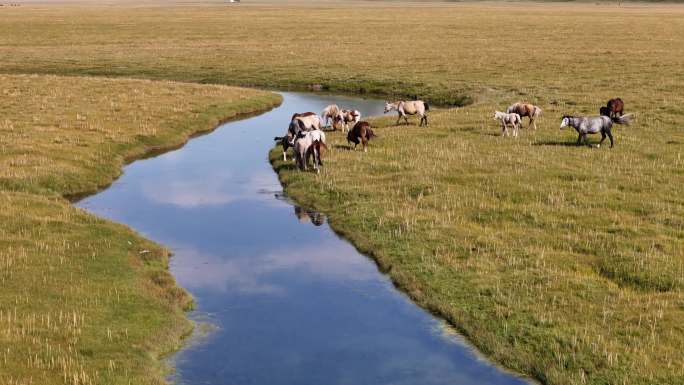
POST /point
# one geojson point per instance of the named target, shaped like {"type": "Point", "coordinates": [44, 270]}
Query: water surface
{"type": "Point", "coordinates": [292, 302]}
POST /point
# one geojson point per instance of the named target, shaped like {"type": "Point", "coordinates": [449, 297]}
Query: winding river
{"type": "Point", "coordinates": [290, 302]}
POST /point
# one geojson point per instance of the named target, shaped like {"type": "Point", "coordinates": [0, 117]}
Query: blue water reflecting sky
{"type": "Point", "coordinates": [293, 303]}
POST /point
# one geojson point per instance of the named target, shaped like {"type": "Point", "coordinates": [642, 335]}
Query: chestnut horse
{"type": "Point", "coordinates": [361, 132]}
{"type": "Point", "coordinates": [526, 109]}
{"type": "Point", "coordinates": [614, 107]}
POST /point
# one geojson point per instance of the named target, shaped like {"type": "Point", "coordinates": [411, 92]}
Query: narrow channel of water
{"type": "Point", "coordinates": [292, 303]}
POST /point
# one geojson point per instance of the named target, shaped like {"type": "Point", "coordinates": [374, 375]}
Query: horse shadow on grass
{"type": "Point", "coordinates": [343, 147]}
{"type": "Point", "coordinates": [556, 143]}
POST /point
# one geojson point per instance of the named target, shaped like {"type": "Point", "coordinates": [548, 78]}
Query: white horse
{"type": "Point", "coordinates": [593, 125]}
{"type": "Point", "coordinates": [514, 119]}
{"type": "Point", "coordinates": [330, 113]}
{"type": "Point", "coordinates": [308, 144]}
{"type": "Point", "coordinates": [412, 107]}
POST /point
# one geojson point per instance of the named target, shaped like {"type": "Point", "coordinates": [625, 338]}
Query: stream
{"type": "Point", "coordinates": [287, 301]}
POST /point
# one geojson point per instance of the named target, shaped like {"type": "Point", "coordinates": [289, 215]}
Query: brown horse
{"type": "Point", "coordinates": [614, 107]}
{"type": "Point", "coordinates": [525, 109]}
{"type": "Point", "coordinates": [361, 132]}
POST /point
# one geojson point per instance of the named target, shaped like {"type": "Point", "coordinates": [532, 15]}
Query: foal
{"type": "Point", "coordinates": [514, 119]}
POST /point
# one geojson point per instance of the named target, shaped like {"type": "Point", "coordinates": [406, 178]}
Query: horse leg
{"type": "Point", "coordinates": [603, 137]}
{"type": "Point", "coordinates": [586, 140]}
{"type": "Point", "coordinates": [316, 159]}
{"type": "Point", "coordinates": [398, 120]}
{"type": "Point", "coordinates": [610, 136]}
{"type": "Point", "coordinates": [298, 160]}
{"type": "Point", "coordinates": [504, 128]}
{"type": "Point", "coordinates": [406, 119]}
{"type": "Point", "coordinates": [579, 139]}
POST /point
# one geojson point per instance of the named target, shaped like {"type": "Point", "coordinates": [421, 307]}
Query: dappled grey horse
{"type": "Point", "coordinates": [593, 125]}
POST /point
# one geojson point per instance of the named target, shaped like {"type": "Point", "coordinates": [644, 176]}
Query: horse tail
{"type": "Point", "coordinates": [278, 138]}
{"type": "Point", "coordinates": [624, 119]}
{"type": "Point", "coordinates": [537, 112]}
{"type": "Point", "coordinates": [427, 106]}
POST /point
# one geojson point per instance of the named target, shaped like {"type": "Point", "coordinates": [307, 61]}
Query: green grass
{"type": "Point", "coordinates": [561, 262]}
{"type": "Point", "coordinates": [558, 261]}
{"type": "Point", "coordinates": [84, 300]}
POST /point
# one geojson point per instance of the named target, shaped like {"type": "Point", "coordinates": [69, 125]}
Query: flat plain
{"type": "Point", "coordinates": [561, 262]}
{"type": "Point", "coordinates": [85, 300]}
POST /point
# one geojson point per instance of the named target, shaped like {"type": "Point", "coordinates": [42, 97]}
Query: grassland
{"type": "Point", "coordinates": [84, 300]}
{"type": "Point", "coordinates": [561, 262]}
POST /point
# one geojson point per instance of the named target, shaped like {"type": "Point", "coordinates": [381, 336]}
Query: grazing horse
{"type": "Point", "coordinates": [526, 109]}
{"type": "Point", "coordinates": [514, 119]}
{"type": "Point", "coordinates": [285, 141]}
{"type": "Point", "coordinates": [593, 125]}
{"type": "Point", "coordinates": [614, 107]}
{"type": "Point", "coordinates": [300, 122]}
{"type": "Point", "coordinates": [346, 117]}
{"type": "Point", "coordinates": [308, 144]}
{"type": "Point", "coordinates": [361, 132]}
{"type": "Point", "coordinates": [305, 121]}
{"type": "Point", "coordinates": [412, 107]}
{"type": "Point", "coordinates": [330, 113]}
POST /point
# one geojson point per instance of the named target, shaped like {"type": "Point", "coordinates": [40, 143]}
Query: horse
{"type": "Point", "coordinates": [412, 107]}
{"type": "Point", "coordinates": [300, 122]}
{"type": "Point", "coordinates": [614, 107]}
{"type": "Point", "coordinates": [347, 116]}
{"type": "Point", "coordinates": [361, 132]}
{"type": "Point", "coordinates": [514, 119]}
{"type": "Point", "coordinates": [526, 109]}
{"type": "Point", "coordinates": [285, 141]}
{"type": "Point", "coordinates": [593, 125]}
{"type": "Point", "coordinates": [304, 121]}
{"type": "Point", "coordinates": [310, 143]}
{"type": "Point", "coordinates": [330, 113]}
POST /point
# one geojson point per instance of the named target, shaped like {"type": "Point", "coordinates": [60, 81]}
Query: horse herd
{"type": "Point", "coordinates": [611, 113]}
{"type": "Point", "coordinates": [306, 136]}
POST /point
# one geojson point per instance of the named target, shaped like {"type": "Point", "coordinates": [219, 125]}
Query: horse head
{"type": "Point", "coordinates": [565, 121]}
{"type": "Point", "coordinates": [390, 106]}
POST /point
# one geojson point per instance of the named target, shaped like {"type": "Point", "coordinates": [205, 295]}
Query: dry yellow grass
{"type": "Point", "coordinates": [83, 300]}
{"type": "Point", "coordinates": [561, 262]}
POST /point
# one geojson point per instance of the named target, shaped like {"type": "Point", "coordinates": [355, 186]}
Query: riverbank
{"type": "Point", "coordinates": [85, 300]}
{"type": "Point", "coordinates": [497, 236]}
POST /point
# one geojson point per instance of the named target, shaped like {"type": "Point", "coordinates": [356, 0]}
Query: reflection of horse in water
{"type": "Point", "coordinates": [305, 216]}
